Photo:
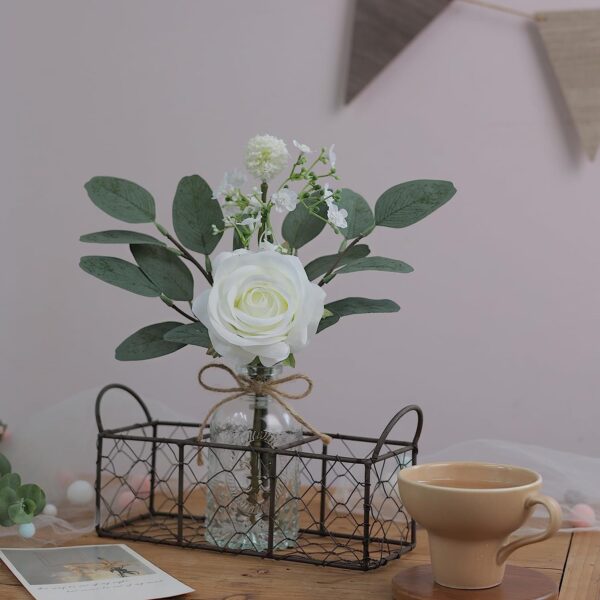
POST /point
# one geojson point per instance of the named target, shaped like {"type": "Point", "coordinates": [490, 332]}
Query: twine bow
{"type": "Point", "coordinates": [247, 385]}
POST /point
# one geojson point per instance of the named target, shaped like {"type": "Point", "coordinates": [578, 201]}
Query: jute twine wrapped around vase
{"type": "Point", "coordinates": [248, 386]}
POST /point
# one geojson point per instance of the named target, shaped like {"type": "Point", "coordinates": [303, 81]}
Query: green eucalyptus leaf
{"type": "Point", "coordinates": [301, 226]}
{"type": "Point", "coordinates": [406, 203]}
{"type": "Point", "coordinates": [33, 492]}
{"type": "Point", "coordinates": [195, 211]}
{"type": "Point", "coordinates": [237, 241]}
{"type": "Point", "coordinates": [194, 334]}
{"type": "Point", "coordinates": [122, 199]}
{"type": "Point", "coordinates": [357, 306]}
{"type": "Point", "coordinates": [360, 216]}
{"type": "Point", "coordinates": [119, 272]}
{"type": "Point", "coordinates": [11, 480]}
{"type": "Point", "coordinates": [8, 496]}
{"type": "Point", "coordinates": [376, 263]}
{"type": "Point", "coordinates": [117, 236]}
{"type": "Point", "coordinates": [166, 270]}
{"type": "Point", "coordinates": [21, 512]}
{"type": "Point", "coordinates": [321, 265]}
{"type": "Point", "coordinates": [4, 465]}
{"type": "Point", "coordinates": [326, 322]}
{"type": "Point", "coordinates": [148, 342]}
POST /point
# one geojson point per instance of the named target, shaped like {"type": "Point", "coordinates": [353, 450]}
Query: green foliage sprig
{"type": "Point", "coordinates": [19, 503]}
{"type": "Point", "coordinates": [161, 268]}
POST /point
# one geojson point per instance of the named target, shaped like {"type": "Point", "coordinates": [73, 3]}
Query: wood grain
{"type": "Point", "coordinates": [218, 576]}
{"type": "Point", "coordinates": [582, 573]}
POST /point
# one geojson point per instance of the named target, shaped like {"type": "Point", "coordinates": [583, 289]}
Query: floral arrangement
{"type": "Point", "coordinates": [19, 503]}
{"type": "Point", "coordinates": [261, 304]}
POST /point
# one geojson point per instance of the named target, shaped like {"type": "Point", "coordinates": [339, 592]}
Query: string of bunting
{"type": "Point", "coordinates": [571, 38]}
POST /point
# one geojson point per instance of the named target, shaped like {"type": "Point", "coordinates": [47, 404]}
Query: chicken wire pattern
{"type": "Point", "coordinates": [149, 487]}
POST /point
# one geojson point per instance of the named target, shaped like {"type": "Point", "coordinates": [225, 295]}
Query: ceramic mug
{"type": "Point", "coordinates": [469, 509]}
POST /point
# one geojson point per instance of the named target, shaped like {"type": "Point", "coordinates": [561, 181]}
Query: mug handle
{"type": "Point", "coordinates": [554, 523]}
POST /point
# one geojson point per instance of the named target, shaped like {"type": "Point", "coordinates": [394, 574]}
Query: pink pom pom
{"type": "Point", "coordinates": [125, 500]}
{"type": "Point", "coordinates": [582, 515]}
{"type": "Point", "coordinates": [141, 486]}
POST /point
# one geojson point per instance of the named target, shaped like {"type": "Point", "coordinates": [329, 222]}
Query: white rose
{"type": "Point", "coordinates": [261, 305]}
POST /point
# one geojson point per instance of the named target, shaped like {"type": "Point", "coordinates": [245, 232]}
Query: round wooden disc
{"type": "Point", "coordinates": [520, 583]}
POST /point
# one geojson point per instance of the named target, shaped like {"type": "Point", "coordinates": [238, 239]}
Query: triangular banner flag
{"type": "Point", "coordinates": [382, 28]}
{"type": "Point", "coordinates": [572, 41]}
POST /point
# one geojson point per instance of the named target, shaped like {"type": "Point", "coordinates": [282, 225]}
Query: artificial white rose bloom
{"type": "Point", "coordinates": [266, 156]}
{"type": "Point", "coordinates": [261, 305]}
{"type": "Point", "coordinates": [285, 199]}
{"type": "Point", "coordinates": [302, 147]}
{"type": "Point", "coordinates": [332, 155]}
{"type": "Point", "coordinates": [230, 185]}
{"type": "Point", "coordinates": [337, 216]}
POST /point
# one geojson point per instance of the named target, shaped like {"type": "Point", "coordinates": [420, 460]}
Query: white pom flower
{"type": "Point", "coordinates": [285, 200]}
{"type": "Point", "coordinates": [302, 147]}
{"type": "Point", "coordinates": [337, 216]}
{"type": "Point", "coordinates": [261, 305]}
{"type": "Point", "coordinates": [230, 185]}
{"type": "Point", "coordinates": [332, 155]}
{"type": "Point", "coordinates": [266, 156]}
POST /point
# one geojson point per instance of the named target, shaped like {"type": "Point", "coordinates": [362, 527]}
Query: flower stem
{"type": "Point", "coordinates": [172, 305]}
{"type": "Point", "coordinates": [264, 230]}
{"type": "Point", "coordinates": [256, 459]}
{"type": "Point", "coordinates": [185, 253]}
{"type": "Point", "coordinates": [325, 277]}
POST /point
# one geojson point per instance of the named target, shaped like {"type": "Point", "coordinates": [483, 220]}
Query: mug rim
{"type": "Point", "coordinates": [537, 478]}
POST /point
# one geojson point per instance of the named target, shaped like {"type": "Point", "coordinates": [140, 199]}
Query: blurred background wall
{"type": "Point", "coordinates": [499, 330]}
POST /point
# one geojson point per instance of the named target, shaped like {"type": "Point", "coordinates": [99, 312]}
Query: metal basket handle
{"type": "Point", "coordinates": [117, 386]}
{"type": "Point", "coordinates": [384, 434]}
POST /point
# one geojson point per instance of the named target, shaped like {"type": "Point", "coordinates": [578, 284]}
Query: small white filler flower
{"type": "Point", "coordinates": [302, 147]}
{"type": "Point", "coordinates": [230, 185]}
{"type": "Point", "coordinates": [332, 155]}
{"type": "Point", "coordinates": [337, 216]}
{"type": "Point", "coordinates": [266, 156]}
{"type": "Point", "coordinates": [285, 200]}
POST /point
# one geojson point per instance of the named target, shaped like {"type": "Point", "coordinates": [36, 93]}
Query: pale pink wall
{"type": "Point", "coordinates": [499, 332]}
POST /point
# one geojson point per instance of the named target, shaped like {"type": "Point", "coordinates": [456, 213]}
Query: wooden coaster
{"type": "Point", "coordinates": [519, 583]}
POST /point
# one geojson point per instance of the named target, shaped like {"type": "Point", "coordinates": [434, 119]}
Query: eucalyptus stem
{"type": "Point", "coordinates": [172, 305]}
{"type": "Point", "coordinates": [184, 314]}
{"type": "Point", "coordinates": [353, 243]}
{"type": "Point", "coordinates": [185, 253]}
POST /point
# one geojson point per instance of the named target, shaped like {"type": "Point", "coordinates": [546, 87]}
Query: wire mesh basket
{"type": "Point", "coordinates": [149, 487]}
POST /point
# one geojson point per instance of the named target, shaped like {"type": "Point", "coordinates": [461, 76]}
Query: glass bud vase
{"type": "Point", "coordinates": [239, 488]}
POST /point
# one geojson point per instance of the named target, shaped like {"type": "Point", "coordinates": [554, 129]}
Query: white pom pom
{"type": "Point", "coordinates": [50, 510]}
{"type": "Point", "coordinates": [80, 492]}
{"type": "Point", "coordinates": [27, 530]}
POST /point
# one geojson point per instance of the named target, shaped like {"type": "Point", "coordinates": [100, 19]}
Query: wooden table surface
{"type": "Point", "coordinates": [573, 560]}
